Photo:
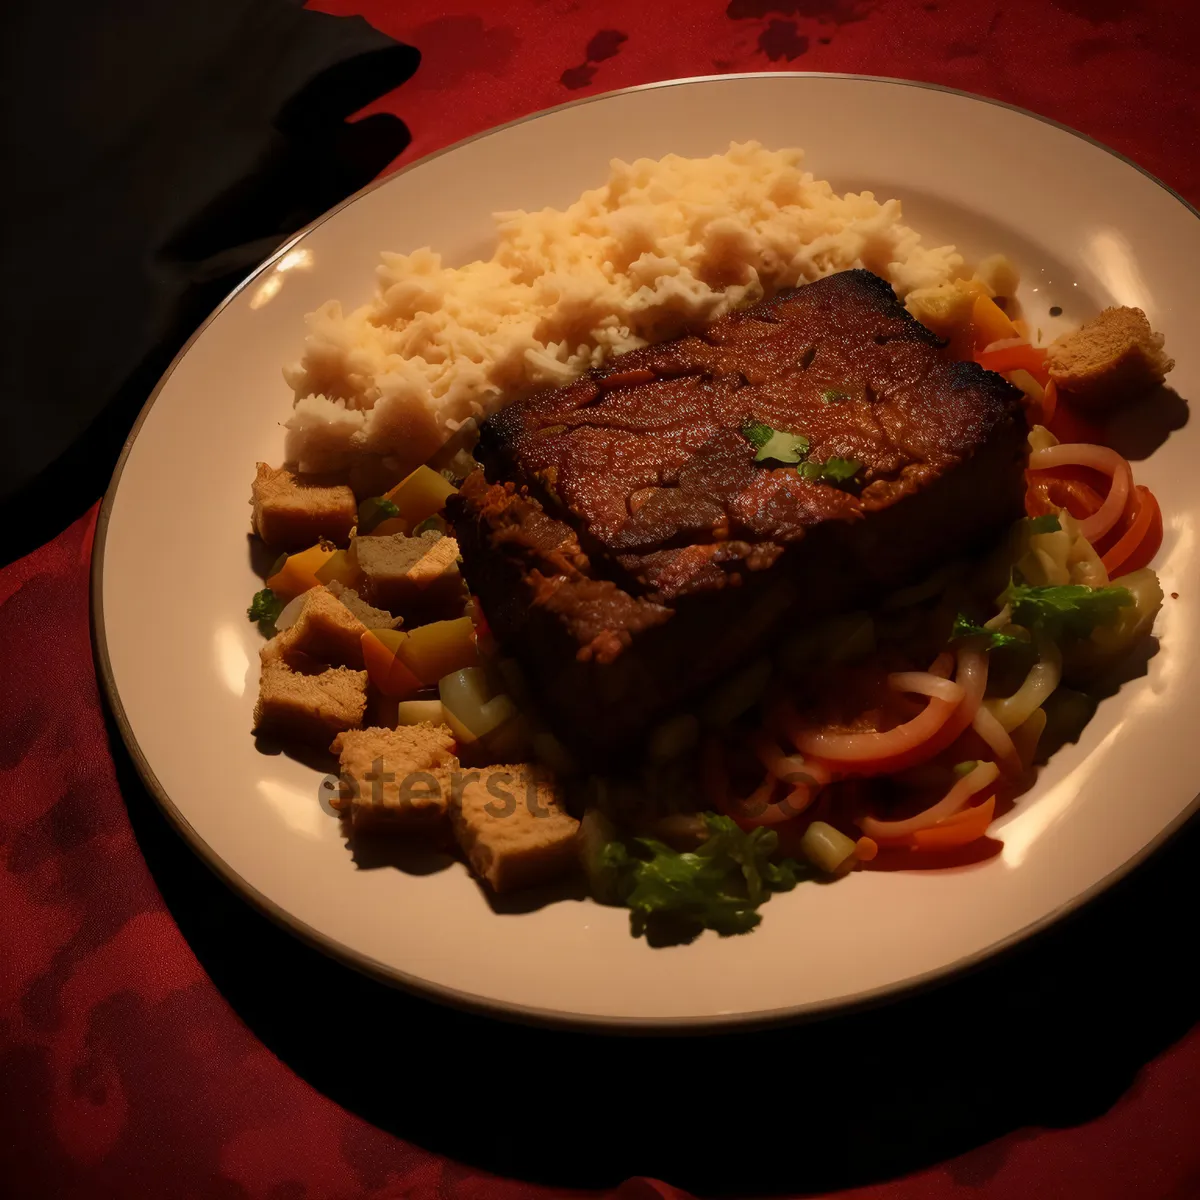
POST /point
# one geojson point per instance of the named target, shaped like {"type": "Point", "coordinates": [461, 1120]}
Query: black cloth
{"type": "Point", "coordinates": [153, 154]}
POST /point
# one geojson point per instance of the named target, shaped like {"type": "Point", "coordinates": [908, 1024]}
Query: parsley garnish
{"type": "Point", "coordinates": [265, 607]}
{"type": "Point", "coordinates": [966, 628]}
{"type": "Point", "coordinates": [1047, 524]}
{"type": "Point", "coordinates": [776, 445]}
{"type": "Point", "coordinates": [833, 470]}
{"type": "Point", "coordinates": [1070, 609]}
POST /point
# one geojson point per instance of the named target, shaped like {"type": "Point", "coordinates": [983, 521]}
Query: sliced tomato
{"type": "Point", "coordinates": [1048, 491]}
{"type": "Point", "coordinates": [1016, 358]}
{"type": "Point", "coordinates": [1140, 538]}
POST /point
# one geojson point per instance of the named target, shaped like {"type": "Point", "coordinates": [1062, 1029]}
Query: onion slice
{"type": "Point", "coordinates": [1098, 458]}
{"type": "Point", "coordinates": [983, 776]}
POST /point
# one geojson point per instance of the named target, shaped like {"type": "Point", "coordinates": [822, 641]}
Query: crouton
{"type": "Point", "coordinates": [326, 631]}
{"type": "Point", "coordinates": [293, 511]}
{"type": "Point", "coordinates": [399, 779]}
{"type": "Point", "coordinates": [1110, 359]}
{"type": "Point", "coordinates": [415, 576]}
{"type": "Point", "coordinates": [371, 617]}
{"type": "Point", "coordinates": [298, 706]}
{"type": "Point", "coordinates": [512, 826]}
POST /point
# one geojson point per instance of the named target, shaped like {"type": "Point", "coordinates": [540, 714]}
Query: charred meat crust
{"type": "Point", "coordinates": [630, 550]}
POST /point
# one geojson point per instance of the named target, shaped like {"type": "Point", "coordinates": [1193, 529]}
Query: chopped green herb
{"type": "Point", "coordinates": [277, 566]}
{"type": "Point", "coordinates": [1047, 524]}
{"type": "Point", "coordinates": [833, 470]}
{"type": "Point", "coordinates": [1071, 609]}
{"type": "Point", "coordinates": [266, 606]}
{"type": "Point", "coordinates": [966, 628]}
{"type": "Point", "coordinates": [718, 886]}
{"type": "Point", "coordinates": [833, 396]}
{"type": "Point", "coordinates": [963, 769]}
{"type": "Point", "coordinates": [776, 445]}
{"type": "Point", "coordinates": [374, 511]}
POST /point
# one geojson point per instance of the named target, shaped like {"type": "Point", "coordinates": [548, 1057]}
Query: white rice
{"type": "Point", "coordinates": [660, 246]}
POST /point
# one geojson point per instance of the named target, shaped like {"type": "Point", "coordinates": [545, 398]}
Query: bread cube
{"type": "Point", "coordinates": [308, 707]}
{"type": "Point", "coordinates": [397, 779]}
{"type": "Point", "coordinates": [325, 632]}
{"type": "Point", "coordinates": [293, 511]}
{"type": "Point", "coordinates": [415, 576]}
{"type": "Point", "coordinates": [511, 824]}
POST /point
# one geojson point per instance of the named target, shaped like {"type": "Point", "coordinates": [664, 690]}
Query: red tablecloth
{"type": "Point", "coordinates": [159, 1039]}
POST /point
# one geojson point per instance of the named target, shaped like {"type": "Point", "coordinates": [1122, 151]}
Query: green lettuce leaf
{"type": "Point", "coordinates": [719, 886]}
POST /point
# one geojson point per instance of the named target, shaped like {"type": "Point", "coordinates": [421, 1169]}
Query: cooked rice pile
{"type": "Point", "coordinates": [660, 246]}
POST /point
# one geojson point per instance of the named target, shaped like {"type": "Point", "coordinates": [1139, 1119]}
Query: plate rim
{"type": "Point", "coordinates": [503, 1009]}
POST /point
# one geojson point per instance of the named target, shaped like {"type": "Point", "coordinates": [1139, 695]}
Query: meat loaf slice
{"type": "Point", "coordinates": [629, 548]}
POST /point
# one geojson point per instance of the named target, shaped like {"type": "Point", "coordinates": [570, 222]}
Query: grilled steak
{"type": "Point", "coordinates": [627, 547]}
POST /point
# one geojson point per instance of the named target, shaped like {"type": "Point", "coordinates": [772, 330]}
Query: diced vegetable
{"type": "Point", "coordinates": [413, 712]}
{"type": "Point", "coordinates": [434, 650]}
{"type": "Point", "coordinates": [385, 667]}
{"type": "Point", "coordinates": [963, 769]}
{"type": "Point", "coordinates": [372, 511]}
{"type": "Point", "coordinates": [827, 848]}
{"type": "Point", "coordinates": [471, 710]}
{"type": "Point", "coordinates": [947, 309]}
{"type": "Point", "coordinates": [964, 827]}
{"type": "Point", "coordinates": [603, 876]}
{"type": "Point", "coordinates": [266, 607]}
{"type": "Point", "coordinates": [299, 572]}
{"type": "Point", "coordinates": [718, 886]}
{"type": "Point", "coordinates": [1134, 618]}
{"type": "Point", "coordinates": [1013, 358]}
{"type": "Point", "coordinates": [290, 613]}
{"type": "Point", "coordinates": [775, 445]}
{"type": "Point", "coordinates": [991, 322]}
{"type": "Point", "coordinates": [340, 566]}
{"type": "Point", "coordinates": [997, 273]}
{"type": "Point", "coordinates": [420, 495]}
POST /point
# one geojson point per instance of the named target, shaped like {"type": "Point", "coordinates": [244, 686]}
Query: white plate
{"type": "Point", "coordinates": [172, 573]}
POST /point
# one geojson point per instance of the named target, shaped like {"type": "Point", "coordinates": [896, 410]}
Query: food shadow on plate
{"type": "Point", "coordinates": [261, 557]}
{"type": "Point", "coordinates": [413, 857]}
{"type": "Point", "coordinates": [529, 900]}
{"type": "Point", "coordinates": [1139, 429]}
{"type": "Point", "coordinates": [312, 757]}
{"type": "Point", "coordinates": [872, 1091]}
